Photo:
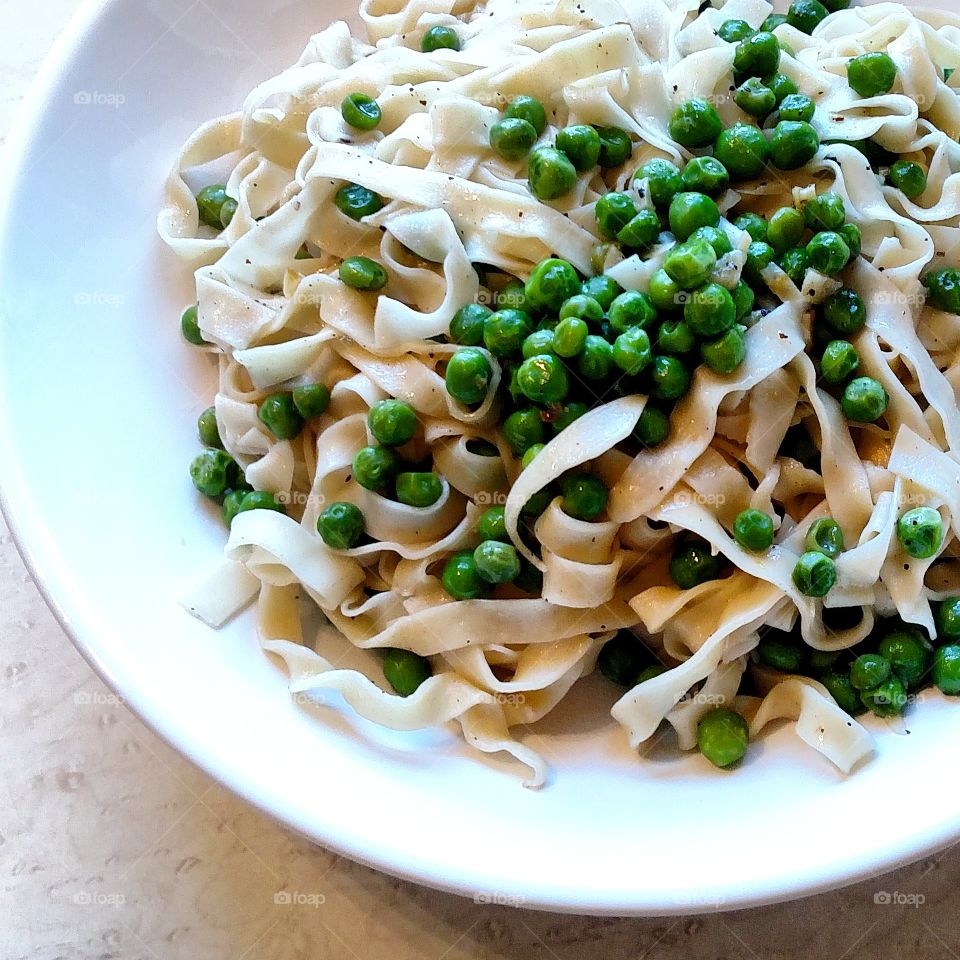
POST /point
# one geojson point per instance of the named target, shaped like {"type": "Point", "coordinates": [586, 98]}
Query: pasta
{"type": "Point", "coordinates": [724, 535]}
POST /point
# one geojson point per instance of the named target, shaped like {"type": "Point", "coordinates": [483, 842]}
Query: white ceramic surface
{"type": "Point", "coordinates": [98, 397]}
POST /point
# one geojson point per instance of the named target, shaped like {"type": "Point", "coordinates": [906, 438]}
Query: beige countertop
{"type": "Point", "coordinates": [112, 846]}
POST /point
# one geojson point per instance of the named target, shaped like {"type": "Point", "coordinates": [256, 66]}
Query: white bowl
{"type": "Point", "coordinates": [98, 400]}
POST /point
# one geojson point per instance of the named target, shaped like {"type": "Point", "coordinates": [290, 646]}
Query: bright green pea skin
{"type": "Point", "coordinates": [759, 256]}
{"type": "Point", "coordinates": [948, 619]}
{"type": "Point", "coordinates": [773, 21]}
{"type": "Point", "coordinates": [843, 692]}
{"type": "Point", "coordinates": [439, 38]}
{"type": "Point", "coordinates": [727, 352]}
{"type": "Point", "coordinates": [210, 202]}
{"type": "Point", "coordinates": [669, 378]}
{"type": "Point", "coordinates": [405, 671]}
{"type": "Point", "coordinates": [596, 359]}
{"type": "Point", "coordinates": [691, 210]}
{"type": "Point", "coordinates": [583, 308]}
{"type": "Point", "coordinates": [468, 375]}
{"type": "Point", "coordinates": [795, 264]}
{"type": "Point", "coordinates": [943, 290]}
{"type": "Point", "coordinates": [733, 31]}
{"type": "Point", "coordinates": [675, 337]}
{"type": "Point", "coordinates": [190, 328]}
{"type": "Point", "coordinates": [540, 341]}
{"type": "Point", "coordinates": [814, 574]}
{"type": "Point", "coordinates": [461, 578]}
{"type": "Point", "coordinates": [695, 124]}
{"type": "Point", "coordinates": [581, 144]}
{"type": "Point", "coordinates": [570, 337]}
{"type": "Point", "coordinates": [871, 74]}
{"type": "Point", "coordinates": [825, 212]}
{"type": "Point", "coordinates": [743, 299]}
{"type": "Point", "coordinates": [529, 109]}
{"type": "Point", "coordinates": [753, 530]}
{"type": "Point", "coordinates": [691, 263]}
{"type": "Point", "coordinates": [232, 501]}
{"type": "Point", "coordinates": [632, 309]}
{"type": "Point", "coordinates": [466, 327]}
{"type": "Point", "coordinates": [781, 651]}
{"type": "Point", "coordinates": [793, 144]}
{"type": "Point", "coordinates": [622, 658]}
{"type": "Point", "coordinates": [642, 231]}
{"type": "Point", "coordinates": [497, 562]}
{"type": "Point", "coordinates": [754, 98]}
{"type": "Point", "coordinates": [207, 428]}
{"type": "Point", "coordinates": [920, 532]}
{"type": "Point", "coordinates": [664, 180]}
{"type": "Point", "coordinates": [710, 311]}
{"type": "Point", "coordinates": [584, 496]}
{"type": "Point", "coordinates": [757, 56]}
{"type": "Point", "coordinates": [613, 212]}
{"type": "Point", "coordinates": [946, 669]}
{"type": "Point", "coordinates": [665, 293]}
{"type": "Point", "coordinates": [392, 422]}
{"type": "Point", "coordinates": [692, 563]}
{"type": "Point", "coordinates": [869, 670]}
{"type": "Point", "coordinates": [754, 225]}
{"type": "Point", "coordinates": [357, 202]}
{"type": "Point", "coordinates": [782, 87]}
{"type": "Point", "coordinates": [887, 699]}
{"type": "Point", "coordinates": [616, 147]}
{"type": "Point", "coordinates": [260, 500]}
{"type": "Point", "coordinates": [362, 273]}
{"type": "Point", "coordinates": [418, 489]}
{"type": "Point", "coordinates": [723, 737]}
{"type": "Point", "coordinates": [512, 139]}
{"type": "Point", "coordinates": [280, 416]}
{"type": "Point", "coordinates": [530, 455]}
{"type": "Point", "coordinates": [360, 111]}
{"type": "Point", "coordinates": [806, 15]}
{"type": "Point", "coordinates": [797, 108]}
{"type": "Point", "coordinates": [828, 253]}
{"type": "Point", "coordinates": [505, 331]}
{"type": "Point", "coordinates": [839, 362]}
{"type": "Point", "coordinates": [845, 312]}
{"type": "Point", "coordinates": [341, 525]}
{"type": "Point", "coordinates": [543, 379]}
{"type": "Point", "coordinates": [631, 351]}
{"type": "Point", "coordinates": [311, 400]}
{"type": "Point", "coordinates": [909, 178]}
{"type": "Point", "coordinates": [551, 283]}
{"type": "Point", "coordinates": [603, 289]}
{"type": "Point", "coordinates": [909, 655]}
{"type": "Point", "coordinates": [550, 173]}
{"type": "Point", "coordinates": [492, 525]}
{"type": "Point", "coordinates": [705, 175]}
{"type": "Point", "coordinates": [648, 673]}
{"type": "Point", "coordinates": [716, 237]}
{"type": "Point", "coordinates": [824, 536]}
{"type": "Point", "coordinates": [852, 238]}
{"type": "Point", "coordinates": [523, 429]}
{"type": "Point", "coordinates": [652, 428]}
{"type": "Point", "coordinates": [864, 400]}
{"type": "Point", "coordinates": [785, 229]}
{"type": "Point", "coordinates": [212, 471]}
{"type": "Point", "coordinates": [743, 149]}
{"type": "Point", "coordinates": [375, 468]}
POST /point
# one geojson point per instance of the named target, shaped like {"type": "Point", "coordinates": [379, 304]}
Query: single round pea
{"type": "Point", "coordinates": [871, 74]}
{"type": "Point", "coordinates": [523, 429]}
{"type": "Point", "coordinates": [582, 307]}
{"type": "Point", "coordinates": [743, 299]}
{"type": "Point", "coordinates": [946, 669]}
{"type": "Point", "coordinates": [814, 574]}
{"type": "Point", "coordinates": [550, 173]}
{"type": "Point", "coordinates": [616, 147]}
{"type": "Point", "coordinates": [419, 489]}
{"type": "Point", "coordinates": [540, 341]}
{"type": "Point", "coordinates": [773, 21]}
{"type": "Point", "coordinates": [723, 736]}
{"type": "Point", "coordinates": [753, 97]}
{"type": "Point", "coordinates": [753, 530]}
{"type": "Point", "coordinates": [492, 525]}
{"type": "Point", "coordinates": [852, 238]}
{"type": "Point", "coordinates": [652, 428]}
{"type": "Point", "coordinates": [754, 225]}
{"type": "Point", "coordinates": [795, 263]}
{"type": "Point", "coordinates": [691, 210]}
{"type": "Point", "coordinates": [664, 180]}
{"type": "Point", "coordinates": [513, 296]}
{"type": "Point", "coordinates": [780, 650]}
{"type": "Point", "coordinates": [392, 422]}
{"type": "Point", "coordinates": [596, 359]}
{"type": "Point", "coordinates": [727, 352]}
{"type": "Point", "coordinates": [887, 699]}
{"type": "Point", "coordinates": [705, 175]}
{"type": "Point", "coordinates": [497, 562]}
{"type": "Point", "coordinates": [362, 273]}
{"type": "Point", "coordinates": [675, 337]}
{"type": "Point", "coordinates": [584, 496]}
{"type": "Point", "coordinates": [375, 468]}
{"type": "Point", "coordinates": [948, 619]}
{"type": "Point", "coordinates": [341, 525]}
{"type": "Point", "coordinates": [604, 290]}
{"type": "Point", "coordinates": [825, 212]}
{"type": "Point", "coordinates": [622, 658]}
{"type": "Point", "coordinates": [669, 378]}
{"type": "Point", "coordinates": [358, 202]}
{"type": "Point", "coordinates": [845, 312]}
{"type": "Point", "coordinates": [824, 536]}
{"type": "Point", "coordinates": [543, 379]}
{"type": "Point", "coordinates": [797, 108]}
{"type": "Point", "coordinates": [439, 38]}
{"type": "Point", "coordinates": [782, 87]}
{"type": "Point", "coordinates": [232, 501]}
{"type": "Point", "coordinates": [839, 361]}
{"type": "Point", "coordinates": [212, 472]}
{"type": "Point", "coordinates": [665, 293]}
{"type": "Point", "coordinates": [505, 331]}
{"type": "Point", "coordinates": [806, 15]}
{"type": "Point", "coordinates": [642, 231]}
{"type": "Point", "coordinates": [613, 212]}
{"type": "Point", "coordinates": [190, 328]}
{"type": "Point", "coordinates": [710, 311]}
{"type": "Point", "coordinates": [530, 454]}
{"type": "Point", "coordinates": [733, 31]}
{"type": "Point", "coordinates": [785, 229]}
{"type": "Point", "coordinates": [468, 375]}
{"type": "Point", "coordinates": [581, 144]}
{"type": "Point", "coordinates": [529, 109]}
{"type": "Point", "coordinates": [568, 413]}
{"type": "Point", "coordinates": [631, 351]}
{"type": "Point", "coordinates": [692, 563]}
{"type": "Point", "coordinates": [260, 500]}
{"type": "Point", "coordinates": [207, 428]}
{"type": "Point", "coordinates": [690, 264]}
{"type": "Point", "coordinates": [920, 532]}
{"type": "Point", "coordinates": [632, 309]}
{"type": "Point", "coordinates": [716, 237]}
{"type": "Point", "coordinates": [210, 201]}
{"type": "Point", "coordinates": [512, 139]}
{"type": "Point", "coordinates": [227, 212]}
{"type": "Point", "coordinates": [466, 327]}
{"type": "Point", "coordinates": [311, 400]}
{"type": "Point", "coordinates": [757, 56]}
{"type": "Point", "coordinates": [793, 143]}
{"type": "Point", "coordinates": [360, 111]}
{"type": "Point", "coordinates": [759, 256]}
{"type": "Point", "coordinates": [648, 673]}
{"type": "Point", "coordinates": [743, 149]}
{"type": "Point", "coordinates": [461, 578]}
{"type": "Point", "coordinates": [570, 337]}
{"type": "Point", "coordinates": [864, 400]}
{"type": "Point", "coordinates": [551, 284]}
{"type": "Point", "coordinates": [828, 253]}
{"type": "Point", "coordinates": [943, 289]}
{"type": "Point", "coordinates": [909, 655]}
{"type": "Point", "coordinates": [843, 692]}
{"type": "Point", "coordinates": [280, 416]}
{"type": "Point", "coordinates": [908, 177]}
{"type": "Point", "coordinates": [405, 671]}
{"type": "Point", "coordinates": [695, 124]}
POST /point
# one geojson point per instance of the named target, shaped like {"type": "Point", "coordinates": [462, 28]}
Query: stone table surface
{"type": "Point", "coordinates": [112, 846]}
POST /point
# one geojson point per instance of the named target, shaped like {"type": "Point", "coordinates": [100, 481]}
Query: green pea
{"type": "Point", "coordinates": [551, 284]}
{"type": "Point", "coordinates": [543, 379]}
{"type": "Point", "coordinates": [260, 500]}
{"type": "Point", "coordinates": [614, 211]}
{"type": "Point", "coordinates": [793, 144]}
{"type": "Point", "coordinates": [839, 361]}
{"type": "Point", "coordinates": [232, 501]}
{"type": "Point", "coordinates": [887, 699]}
{"type": "Point", "coordinates": [785, 229]}
{"type": "Point", "coordinates": [948, 619]}
{"type": "Point", "coordinates": [853, 239]}
{"type": "Point", "coordinates": [190, 327]}
{"type": "Point", "coordinates": [814, 574]}
{"type": "Point", "coordinates": [376, 468]}
{"type": "Point", "coordinates": [834, 5]}
{"type": "Point", "coordinates": [362, 273]}
{"type": "Point", "coordinates": [210, 200]}
{"type": "Point", "coordinates": [461, 578]}
{"type": "Point", "coordinates": [920, 532]}
{"type": "Point", "coordinates": [753, 530]}
{"type": "Point", "coordinates": [864, 400]}
{"type": "Point", "coordinates": [505, 331]}
{"type": "Point", "coordinates": [419, 489]}
{"type": "Point", "coordinates": [743, 149]}
{"type": "Point", "coordinates": [550, 173]}
{"type": "Point", "coordinates": [946, 669]}
{"type": "Point", "coordinates": [622, 658]}
{"type": "Point", "coordinates": [597, 358]}
{"type": "Point", "coordinates": [529, 109]}
{"type": "Point", "coordinates": [754, 225]}
{"type": "Point", "coordinates": [341, 525]}
{"type": "Point", "coordinates": [806, 15]}
{"type": "Point", "coordinates": [631, 351]}
{"type": "Point", "coordinates": [582, 307]}
{"type": "Point", "coordinates": [757, 56]}
{"type": "Point", "coordinates": [512, 139]}
{"type": "Point", "coordinates": [773, 21]}
{"type": "Point", "coordinates": [755, 98]}
{"type": "Point", "coordinates": [604, 290]}
{"type": "Point", "coordinates": [492, 525]}
{"type": "Point", "coordinates": [695, 124]}
{"type": "Point", "coordinates": [466, 327]}
{"type": "Point", "coordinates": [825, 212]}
{"type": "Point", "coordinates": [723, 736]}
{"type": "Point", "coordinates": [648, 673]}
{"type": "Point", "coordinates": [780, 650]}
{"type": "Point", "coordinates": [710, 311]}
{"type": "Point", "coordinates": [824, 536]}
{"type": "Point", "coordinates": [669, 378]}
{"type": "Point", "coordinates": [632, 309]}
{"type": "Point", "coordinates": [692, 563]}
{"type": "Point", "coordinates": [392, 422]}
{"type": "Point", "coordinates": [227, 212]}
{"type": "Point", "coordinates": [405, 671]}
{"type": "Point", "coordinates": [311, 400]}
{"type": "Point", "coordinates": [797, 108]}
{"type": "Point", "coordinates": [665, 293]}
{"type": "Point", "coordinates": [360, 111]}
{"type": "Point", "coordinates": [691, 210]}
{"type": "Point", "coordinates": [664, 180]}
{"type": "Point", "coordinates": [743, 299]}
{"type": "Point", "coordinates": [706, 175]}
{"type": "Point", "coordinates": [642, 231]}
{"type": "Point", "coordinates": [584, 496]}
{"type": "Point", "coordinates": [871, 74]}
{"type": "Point", "coordinates": [280, 416]}
{"type": "Point", "coordinates": [513, 296]}
{"type": "Point", "coordinates": [909, 178]}
{"type": "Point", "coordinates": [530, 455]}
{"type": "Point", "coordinates": [690, 264]}
{"type": "Point", "coordinates": [676, 337]}
{"type": "Point", "coordinates": [843, 692]}
{"type": "Point", "coordinates": [716, 237]}
{"type": "Point", "coordinates": [468, 376]}
{"type": "Point", "coordinates": [727, 352]}
{"type": "Point", "coordinates": [616, 147]}
{"type": "Point", "coordinates": [568, 413]}
{"type": "Point", "coordinates": [497, 562]}
{"type": "Point", "coordinates": [909, 655]}
{"type": "Point", "coordinates": [358, 202]}
{"type": "Point", "coordinates": [207, 428]}
{"type": "Point", "coordinates": [540, 341]}
{"type": "Point", "coordinates": [943, 290]}
{"type": "Point", "coordinates": [581, 144]}
{"type": "Point", "coordinates": [733, 31]}
{"type": "Point", "coordinates": [212, 472]}
{"type": "Point", "coordinates": [523, 429]}
{"type": "Point", "coordinates": [439, 38]}
{"type": "Point", "coordinates": [795, 263]}
{"type": "Point", "coordinates": [782, 87]}
{"type": "Point", "coordinates": [570, 337]}
{"type": "Point", "coordinates": [652, 428]}
{"type": "Point", "coordinates": [759, 256]}
{"type": "Point", "coordinates": [828, 253]}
